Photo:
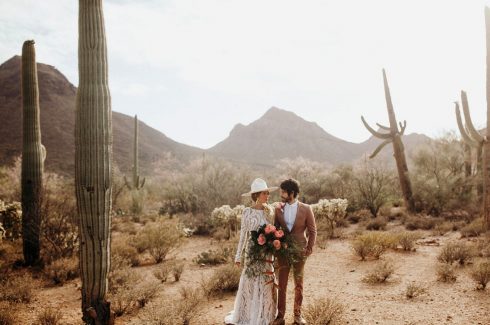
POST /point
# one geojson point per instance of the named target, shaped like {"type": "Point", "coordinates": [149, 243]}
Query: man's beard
{"type": "Point", "coordinates": [284, 200]}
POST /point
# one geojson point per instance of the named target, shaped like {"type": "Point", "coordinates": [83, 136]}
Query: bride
{"type": "Point", "coordinates": [255, 302]}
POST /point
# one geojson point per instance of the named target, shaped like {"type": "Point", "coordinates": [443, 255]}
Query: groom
{"type": "Point", "coordinates": [295, 218]}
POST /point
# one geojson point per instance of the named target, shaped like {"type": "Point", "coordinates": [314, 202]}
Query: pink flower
{"type": "Point", "coordinates": [269, 229]}
{"type": "Point", "coordinates": [261, 239]}
{"type": "Point", "coordinates": [277, 244]}
{"type": "Point", "coordinates": [279, 233]}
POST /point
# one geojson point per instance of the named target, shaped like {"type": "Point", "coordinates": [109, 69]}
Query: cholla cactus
{"type": "Point", "coordinates": [227, 217]}
{"type": "Point", "coordinates": [11, 219]}
{"type": "Point", "coordinates": [331, 211]}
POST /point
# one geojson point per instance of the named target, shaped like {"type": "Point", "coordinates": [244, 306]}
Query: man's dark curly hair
{"type": "Point", "coordinates": [290, 186]}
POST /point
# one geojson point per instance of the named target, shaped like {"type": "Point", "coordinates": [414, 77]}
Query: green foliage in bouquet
{"type": "Point", "coordinates": [268, 241]}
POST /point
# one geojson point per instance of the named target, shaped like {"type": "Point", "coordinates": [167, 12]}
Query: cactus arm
{"type": "Point", "coordinates": [383, 127]}
{"type": "Point", "coordinates": [467, 118]}
{"type": "Point", "coordinates": [379, 148]}
{"type": "Point", "coordinates": [403, 126]}
{"type": "Point", "coordinates": [466, 137]}
{"type": "Point", "coordinates": [374, 132]}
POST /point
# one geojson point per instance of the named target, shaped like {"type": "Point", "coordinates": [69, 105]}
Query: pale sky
{"type": "Point", "coordinates": [194, 69]}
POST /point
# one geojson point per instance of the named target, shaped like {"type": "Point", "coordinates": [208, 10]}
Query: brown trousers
{"type": "Point", "coordinates": [282, 272]}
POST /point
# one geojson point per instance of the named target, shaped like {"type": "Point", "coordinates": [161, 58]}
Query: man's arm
{"type": "Point", "coordinates": [311, 228]}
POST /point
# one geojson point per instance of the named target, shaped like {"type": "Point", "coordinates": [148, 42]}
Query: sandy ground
{"type": "Point", "coordinates": [334, 272]}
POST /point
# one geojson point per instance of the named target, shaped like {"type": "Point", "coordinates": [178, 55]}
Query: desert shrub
{"type": "Point", "coordinates": [373, 244]}
{"type": "Point", "coordinates": [324, 311]}
{"type": "Point", "coordinates": [442, 228]}
{"type": "Point", "coordinates": [17, 289]}
{"type": "Point", "coordinates": [407, 240]}
{"type": "Point", "coordinates": [162, 272]}
{"type": "Point", "coordinates": [203, 185]}
{"type": "Point", "coordinates": [419, 222]}
{"type": "Point", "coordinates": [414, 290]}
{"type": "Point", "coordinates": [457, 215]}
{"type": "Point", "coordinates": [178, 311]}
{"type": "Point", "coordinates": [145, 292]}
{"type": "Point", "coordinates": [455, 252]}
{"type": "Point", "coordinates": [224, 279]}
{"type": "Point", "coordinates": [49, 316]}
{"type": "Point", "coordinates": [359, 215]}
{"type": "Point", "coordinates": [10, 180]}
{"type": "Point", "coordinates": [480, 273]}
{"type": "Point", "coordinates": [438, 178]}
{"type": "Point", "coordinates": [380, 274]}
{"type": "Point", "coordinates": [474, 229]}
{"type": "Point", "coordinates": [445, 273]}
{"type": "Point", "coordinates": [378, 223]}
{"type": "Point", "coordinates": [62, 270]}
{"type": "Point", "coordinates": [177, 270]}
{"type": "Point", "coordinates": [7, 317]}
{"type": "Point", "coordinates": [59, 227]}
{"type": "Point", "coordinates": [121, 246]}
{"type": "Point", "coordinates": [214, 257]}
{"type": "Point", "coordinates": [159, 239]}
{"type": "Point", "coordinates": [374, 186]}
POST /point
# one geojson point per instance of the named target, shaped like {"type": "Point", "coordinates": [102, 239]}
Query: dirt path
{"type": "Point", "coordinates": [335, 273]}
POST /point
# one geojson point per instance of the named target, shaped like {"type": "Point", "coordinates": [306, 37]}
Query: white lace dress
{"type": "Point", "coordinates": [255, 302]}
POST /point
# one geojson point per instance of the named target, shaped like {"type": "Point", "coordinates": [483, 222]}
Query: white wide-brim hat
{"type": "Point", "coordinates": [259, 185]}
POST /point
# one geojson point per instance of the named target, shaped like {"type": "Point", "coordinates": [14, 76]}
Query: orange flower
{"type": "Point", "coordinates": [279, 233]}
{"type": "Point", "coordinates": [261, 240]}
{"type": "Point", "coordinates": [269, 229]}
{"type": "Point", "coordinates": [277, 244]}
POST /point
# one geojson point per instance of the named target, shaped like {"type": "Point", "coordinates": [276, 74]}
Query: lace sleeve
{"type": "Point", "coordinates": [243, 234]}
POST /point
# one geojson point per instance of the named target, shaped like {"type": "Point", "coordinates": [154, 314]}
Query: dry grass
{"type": "Point", "coordinates": [446, 273]}
{"type": "Point", "coordinates": [414, 290]}
{"type": "Point", "coordinates": [378, 223]}
{"type": "Point", "coordinates": [17, 289]}
{"type": "Point", "coordinates": [215, 257]}
{"type": "Point", "coordinates": [324, 311]}
{"type": "Point", "coordinates": [159, 239]}
{"type": "Point", "coordinates": [420, 222]}
{"type": "Point", "coordinates": [62, 270]}
{"type": "Point", "coordinates": [178, 311]}
{"type": "Point", "coordinates": [408, 239]}
{"type": "Point", "coordinates": [7, 317]}
{"type": "Point", "coordinates": [380, 274]}
{"type": "Point", "coordinates": [456, 252]}
{"type": "Point", "coordinates": [373, 244]}
{"type": "Point", "coordinates": [474, 229]}
{"type": "Point", "coordinates": [224, 279]}
{"type": "Point", "coordinates": [121, 245]}
{"type": "Point", "coordinates": [49, 316]}
{"type": "Point", "coordinates": [162, 272]}
{"type": "Point", "coordinates": [480, 273]}
{"type": "Point", "coordinates": [177, 269]}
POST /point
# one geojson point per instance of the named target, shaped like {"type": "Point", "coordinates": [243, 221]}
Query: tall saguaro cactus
{"type": "Point", "coordinates": [394, 136]}
{"type": "Point", "coordinates": [486, 144]}
{"type": "Point", "coordinates": [33, 155]}
{"type": "Point", "coordinates": [93, 162]}
{"type": "Point", "coordinates": [136, 184]}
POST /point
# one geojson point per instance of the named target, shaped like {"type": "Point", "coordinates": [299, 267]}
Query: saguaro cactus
{"type": "Point", "coordinates": [93, 162]}
{"type": "Point", "coordinates": [33, 155]}
{"type": "Point", "coordinates": [486, 144]}
{"type": "Point", "coordinates": [394, 136]}
{"type": "Point", "coordinates": [136, 185]}
{"type": "Point", "coordinates": [471, 137]}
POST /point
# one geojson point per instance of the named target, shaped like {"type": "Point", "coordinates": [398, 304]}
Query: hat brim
{"type": "Point", "coordinates": [270, 189]}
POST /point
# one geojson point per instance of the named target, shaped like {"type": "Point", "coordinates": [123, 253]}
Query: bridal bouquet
{"type": "Point", "coordinates": [266, 242]}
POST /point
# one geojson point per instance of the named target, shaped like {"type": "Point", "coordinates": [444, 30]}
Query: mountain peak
{"type": "Point", "coordinates": [278, 113]}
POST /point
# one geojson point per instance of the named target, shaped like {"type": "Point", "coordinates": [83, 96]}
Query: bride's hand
{"type": "Point", "coordinates": [237, 264]}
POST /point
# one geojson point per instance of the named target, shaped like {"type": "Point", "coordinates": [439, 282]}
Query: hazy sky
{"type": "Point", "coordinates": [194, 69]}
